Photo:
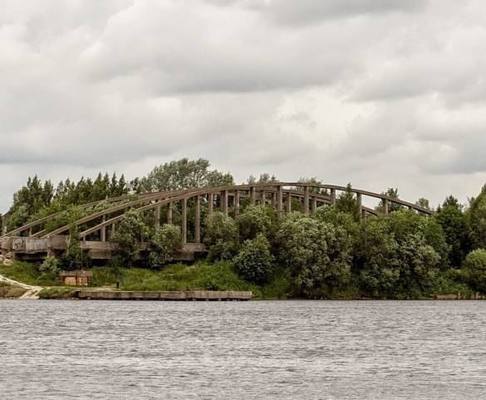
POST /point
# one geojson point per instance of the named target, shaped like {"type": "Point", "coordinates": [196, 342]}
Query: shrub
{"type": "Point", "coordinates": [475, 269]}
{"type": "Point", "coordinates": [50, 266]}
{"type": "Point", "coordinates": [164, 242]}
{"type": "Point", "coordinates": [254, 261]}
{"type": "Point", "coordinates": [255, 220]}
{"type": "Point", "coordinates": [221, 237]}
{"type": "Point", "coordinates": [317, 253]}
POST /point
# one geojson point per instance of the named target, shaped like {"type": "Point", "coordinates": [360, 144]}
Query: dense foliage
{"type": "Point", "coordinates": [335, 253]}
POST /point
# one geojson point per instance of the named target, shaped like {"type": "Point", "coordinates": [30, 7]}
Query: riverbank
{"type": "Point", "coordinates": [218, 277]}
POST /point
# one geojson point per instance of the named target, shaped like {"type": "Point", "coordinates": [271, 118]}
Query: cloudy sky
{"type": "Point", "coordinates": [379, 93]}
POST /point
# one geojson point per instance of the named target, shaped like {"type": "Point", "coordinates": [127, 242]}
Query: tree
{"type": "Point", "coordinates": [418, 265]}
{"type": "Point", "coordinates": [129, 233]}
{"type": "Point", "coordinates": [454, 224]}
{"type": "Point", "coordinates": [221, 236]}
{"type": "Point", "coordinates": [316, 253]}
{"type": "Point", "coordinates": [165, 241]}
{"type": "Point", "coordinates": [74, 257]}
{"type": "Point", "coordinates": [254, 261]}
{"type": "Point", "coordinates": [424, 203]}
{"type": "Point", "coordinates": [377, 259]}
{"type": "Point", "coordinates": [392, 207]}
{"type": "Point", "coordinates": [475, 269]}
{"type": "Point", "coordinates": [477, 219]}
{"type": "Point", "coordinates": [264, 178]}
{"type": "Point", "coordinates": [347, 202]}
{"type": "Point", "coordinates": [183, 174]}
{"type": "Point", "coordinates": [256, 219]}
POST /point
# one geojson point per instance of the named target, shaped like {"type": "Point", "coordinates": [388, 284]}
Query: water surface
{"type": "Point", "coordinates": [234, 350]}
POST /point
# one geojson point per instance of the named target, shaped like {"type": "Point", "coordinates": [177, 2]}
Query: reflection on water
{"type": "Point", "coordinates": [262, 349]}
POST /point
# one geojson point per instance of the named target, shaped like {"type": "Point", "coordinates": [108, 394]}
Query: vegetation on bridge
{"type": "Point", "coordinates": [331, 254]}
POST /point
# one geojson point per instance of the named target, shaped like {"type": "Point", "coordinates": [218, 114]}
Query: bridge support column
{"type": "Point", "coordinates": [184, 221]}
{"type": "Point", "coordinates": [210, 203]}
{"type": "Point", "coordinates": [169, 214]}
{"type": "Point", "coordinates": [306, 200]}
{"type": "Point", "coordinates": [313, 205]}
{"type": "Point", "coordinates": [252, 195]}
{"type": "Point", "coordinates": [333, 196]}
{"type": "Point", "coordinates": [103, 231]}
{"type": "Point", "coordinates": [263, 198]}
{"type": "Point", "coordinates": [224, 201]}
{"type": "Point", "coordinates": [237, 203]}
{"type": "Point", "coordinates": [113, 230]}
{"type": "Point", "coordinates": [386, 206]}
{"type": "Point", "coordinates": [157, 217]}
{"type": "Point", "coordinates": [289, 202]}
{"type": "Point", "coordinates": [197, 222]}
{"type": "Point", "coordinates": [279, 200]}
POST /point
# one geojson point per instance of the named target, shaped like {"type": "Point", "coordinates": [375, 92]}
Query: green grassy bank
{"type": "Point", "coordinates": [203, 276]}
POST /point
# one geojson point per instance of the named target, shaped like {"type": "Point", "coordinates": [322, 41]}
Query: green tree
{"type": "Point", "coordinates": [477, 219]}
{"type": "Point", "coordinates": [456, 230]}
{"type": "Point", "coordinates": [317, 254]}
{"type": "Point", "coordinates": [221, 236]}
{"type": "Point", "coordinates": [347, 203]}
{"type": "Point", "coordinates": [475, 269]}
{"type": "Point", "coordinates": [256, 219]}
{"type": "Point", "coordinates": [377, 259]}
{"type": "Point", "coordinates": [183, 174]}
{"type": "Point", "coordinates": [392, 207]}
{"type": "Point", "coordinates": [129, 233]}
{"type": "Point", "coordinates": [418, 265]}
{"type": "Point", "coordinates": [254, 261]}
{"type": "Point", "coordinates": [75, 257]}
{"type": "Point", "coordinates": [264, 178]}
{"type": "Point", "coordinates": [165, 241]}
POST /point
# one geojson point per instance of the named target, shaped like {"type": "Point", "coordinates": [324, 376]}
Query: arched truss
{"type": "Point", "coordinates": [280, 195]}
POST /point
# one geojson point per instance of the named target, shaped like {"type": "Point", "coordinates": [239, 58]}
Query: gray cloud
{"type": "Point", "coordinates": [378, 93]}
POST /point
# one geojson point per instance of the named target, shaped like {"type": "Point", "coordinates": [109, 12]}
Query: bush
{"type": "Point", "coordinates": [164, 242]}
{"type": "Point", "coordinates": [475, 269]}
{"type": "Point", "coordinates": [254, 261]}
{"type": "Point", "coordinates": [129, 233]}
{"type": "Point", "coordinates": [255, 220]}
{"type": "Point", "coordinates": [221, 236]}
{"type": "Point", "coordinates": [50, 266]}
{"type": "Point", "coordinates": [317, 253]}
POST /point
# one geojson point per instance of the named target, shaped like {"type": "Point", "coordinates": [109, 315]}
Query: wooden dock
{"type": "Point", "coordinates": [188, 295]}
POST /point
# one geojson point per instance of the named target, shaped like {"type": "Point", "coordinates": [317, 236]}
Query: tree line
{"type": "Point", "coordinates": [330, 254]}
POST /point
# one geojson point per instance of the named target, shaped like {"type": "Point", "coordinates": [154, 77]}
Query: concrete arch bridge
{"type": "Point", "coordinates": [186, 208]}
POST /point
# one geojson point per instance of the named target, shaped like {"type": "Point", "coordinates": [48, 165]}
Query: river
{"type": "Point", "coordinates": [237, 350]}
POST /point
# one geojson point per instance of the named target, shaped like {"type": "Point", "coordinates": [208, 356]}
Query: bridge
{"type": "Point", "coordinates": [185, 208]}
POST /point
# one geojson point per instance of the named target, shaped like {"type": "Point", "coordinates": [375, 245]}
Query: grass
{"type": "Point", "coordinates": [202, 276]}
{"type": "Point", "coordinates": [28, 273]}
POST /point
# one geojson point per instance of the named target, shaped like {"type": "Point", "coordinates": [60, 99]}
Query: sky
{"type": "Point", "coordinates": [378, 93]}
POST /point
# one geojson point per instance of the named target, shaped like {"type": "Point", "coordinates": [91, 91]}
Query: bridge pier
{"type": "Point", "coordinates": [306, 200]}
{"type": "Point", "coordinates": [157, 217]}
{"type": "Point", "coordinates": [279, 200]}
{"type": "Point", "coordinates": [184, 221]}
{"type": "Point", "coordinates": [169, 213]}
{"type": "Point", "coordinates": [237, 203]}
{"type": "Point", "coordinates": [197, 222]}
{"type": "Point", "coordinates": [224, 201]}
